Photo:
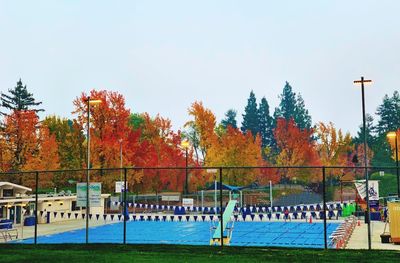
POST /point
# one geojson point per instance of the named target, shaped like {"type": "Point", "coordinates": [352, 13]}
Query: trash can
{"type": "Point", "coordinates": [385, 238]}
{"type": "Point", "coordinates": [29, 221]}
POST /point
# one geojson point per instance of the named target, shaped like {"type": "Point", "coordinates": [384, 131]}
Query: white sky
{"type": "Point", "coordinates": [164, 55]}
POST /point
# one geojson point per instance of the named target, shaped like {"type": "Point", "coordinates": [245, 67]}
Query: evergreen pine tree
{"type": "Point", "coordinates": [287, 105]}
{"type": "Point", "coordinates": [389, 114]}
{"type": "Point", "coordinates": [292, 106]}
{"type": "Point", "coordinates": [250, 116]}
{"type": "Point", "coordinates": [382, 152]}
{"type": "Point", "coordinates": [388, 120]}
{"type": "Point", "coordinates": [230, 119]}
{"type": "Point", "coordinates": [301, 116]}
{"type": "Point", "coordinates": [369, 127]}
{"type": "Point", "coordinates": [265, 124]}
{"type": "Point", "coordinates": [19, 99]}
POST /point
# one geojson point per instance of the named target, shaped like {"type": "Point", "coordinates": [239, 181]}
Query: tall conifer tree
{"type": "Point", "coordinates": [230, 119]}
{"type": "Point", "coordinates": [389, 114]}
{"type": "Point", "coordinates": [292, 106]}
{"type": "Point", "coordinates": [250, 116]}
{"type": "Point", "coordinates": [265, 124]}
{"type": "Point", "coordinates": [19, 99]}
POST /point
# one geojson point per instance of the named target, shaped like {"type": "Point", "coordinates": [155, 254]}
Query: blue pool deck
{"type": "Point", "coordinates": [273, 234]}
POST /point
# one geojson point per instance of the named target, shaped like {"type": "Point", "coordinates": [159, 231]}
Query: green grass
{"type": "Point", "coordinates": [387, 183]}
{"type": "Point", "coordinates": [174, 253]}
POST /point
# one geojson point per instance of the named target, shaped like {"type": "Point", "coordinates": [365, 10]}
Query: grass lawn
{"type": "Point", "coordinates": [387, 183]}
{"type": "Point", "coordinates": [174, 253]}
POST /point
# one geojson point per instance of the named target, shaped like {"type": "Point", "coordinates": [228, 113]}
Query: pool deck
{"type": "Point", "coordinates": [359, 240]}
{"type": "Point", "coordinates": [57, 227]}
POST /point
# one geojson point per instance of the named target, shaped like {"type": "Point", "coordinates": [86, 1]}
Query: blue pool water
{"type": "Point", "coordinates": [282, 234]}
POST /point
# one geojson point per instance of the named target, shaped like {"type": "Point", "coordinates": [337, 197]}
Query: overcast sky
{"type": "Point", "coordinates": [163, 55]}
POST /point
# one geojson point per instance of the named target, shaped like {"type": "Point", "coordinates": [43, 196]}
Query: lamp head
{"type": "Point", "coordinates": [391, 135]}
{"type": "Point", "coordinates": [94, 102]}
{"type": "Point", "coordinates": [185, 144]}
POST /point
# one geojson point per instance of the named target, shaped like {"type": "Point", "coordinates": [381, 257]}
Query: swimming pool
{"type": "Point", "coordinates": [276, 234]}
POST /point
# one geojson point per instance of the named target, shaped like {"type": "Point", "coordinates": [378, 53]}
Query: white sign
{"type": "Point", "coordinates": [381, 173]}
{"type": "Point", "coordinates": [373, 189]}
{"type": "Point", "coordinates": [175, 198]}
{"type": "Point", "coordinates": [81, 194]}
{"type": "Point", "coordinates": [119, 187]}
{"type": "Point", "coordinates": [212, 171]}
{"type": "Point", "coordinates": [187, 201]}
{"type": "Point", "coordinates": [94, 194]}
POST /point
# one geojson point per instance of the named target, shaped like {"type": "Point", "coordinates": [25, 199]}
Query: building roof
{"type": "Point", "coordinates": [225, 187]}
{"type": "Point", "coordinates": [43, 198]}
{"type": "Point", "coordinates": [15, 186]}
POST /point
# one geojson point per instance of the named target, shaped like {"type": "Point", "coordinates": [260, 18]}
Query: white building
{"type": "Point", "coordinates": [15, 204]}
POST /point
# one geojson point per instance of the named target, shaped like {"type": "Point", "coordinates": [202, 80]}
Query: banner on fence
{"type": "Point", "coordinates": [120, 187]}
{"type": "Point", "coordinates": [175, 198]}
{"type": "Point", "coordinates": [373, 189]}
{"type": "Point", "coordinates": [187, 201]}
{"type": "Point", "coordinates": [94, 194]}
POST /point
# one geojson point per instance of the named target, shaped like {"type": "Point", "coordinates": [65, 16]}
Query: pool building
{"type": "Point", "coordinates": [16, 205]}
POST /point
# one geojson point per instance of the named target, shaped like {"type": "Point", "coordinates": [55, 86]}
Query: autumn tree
{"type": "Point", "coordinates": [5, 152]}
{"type": "Point", "coordinates": [333, 147]}
{"type": "Point", "coordinates": [109, 125]}
{"type": "Point", "coordinates": [203, 125]}
{"type": "Point", "coordinates": [45, 156]}
{"type": "Point", "coordinates": [295, 149]}
{"type": "Point", "coordinates": [236, 149]}
{"type": "Point", "coordinates": [153, 143]}
{"type": "Point", "coordinates": [19, 136]}
{"type": "Point", "coordinates": [70, 140]}
{"type": "Point", "coordinates": [192, 135]}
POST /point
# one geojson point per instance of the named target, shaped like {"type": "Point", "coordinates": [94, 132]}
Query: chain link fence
{"type": "Point", "coordinates": [319, 207]}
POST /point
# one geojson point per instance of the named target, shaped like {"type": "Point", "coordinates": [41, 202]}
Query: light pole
{"type": "Point", "coordinates": [89, 102]}
{"type": "Point", "coordinates": [185, 144]}
{"type": "Point", "coordinates": [120, 169]}
{"type": "Point", "coordinates": [362, 81]}
{"type": "Point", "coordinates": [393, 135]}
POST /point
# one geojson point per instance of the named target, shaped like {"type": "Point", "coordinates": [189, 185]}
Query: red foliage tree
{"type": "Point", "coordinates": [109, 125]}
{"type": "Point", "coordinates": [296, 149]}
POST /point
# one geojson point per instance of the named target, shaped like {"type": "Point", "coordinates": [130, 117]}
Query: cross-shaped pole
{"type": "Point", "coordinates": [367, 216]}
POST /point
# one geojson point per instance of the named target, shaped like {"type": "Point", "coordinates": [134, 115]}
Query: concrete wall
{"type": "Point", "coordinates": [64, 206]}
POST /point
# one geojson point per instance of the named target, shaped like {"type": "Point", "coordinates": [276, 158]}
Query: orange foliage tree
{"type": "Point", "coordinates": [20, 138]}
{"type": "Point", "coordinates": [233, 148]}
{"type": "Point", "coordinates": [334, 149]}
{"type": "Point", "coordinates": [45, 158]}
{"type": "Point", "coordinates": [70, 141]}
{"type": "Point", "coordinates": [202, 127]}
{"type": "Point", "coordinates": [109, 125]}
{"type": "Point", "coordinates": [296, 149]}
